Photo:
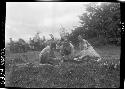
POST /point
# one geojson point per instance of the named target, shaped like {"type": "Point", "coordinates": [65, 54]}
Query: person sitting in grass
{"type": "Point", "coordinates": [85, 49]}
{"type": "Point", "coordinates": [50, 54]}
{"type": "Point", "coordinates": [67, 50]}
{"type": "Point", "coordinates": [47, 54]}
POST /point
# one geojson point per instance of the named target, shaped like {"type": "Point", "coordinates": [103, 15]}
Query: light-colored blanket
{"type": "Point", "coordinates": [87, 51]}
{"type": "Point", "coordinates": [90, 51]}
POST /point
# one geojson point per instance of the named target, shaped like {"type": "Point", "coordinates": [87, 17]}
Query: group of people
{"type": "Point", "coordinates": [64, 50]}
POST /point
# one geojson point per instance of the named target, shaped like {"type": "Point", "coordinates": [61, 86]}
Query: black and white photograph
{"type": "Point", "coordinates": [62, 44]}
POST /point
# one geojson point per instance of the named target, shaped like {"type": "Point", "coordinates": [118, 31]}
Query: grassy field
{"type": "Point", "coordinates": [88, 74]}
{"type": "Point", "coordinates": [108, 52]}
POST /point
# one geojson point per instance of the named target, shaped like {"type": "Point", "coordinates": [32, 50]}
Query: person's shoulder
{"type": "Point", "coordinates": [47, 47]}
{"type": "Point", "coordinates": [71, 44]}
{"type": "Point", "coordinates": [84, 39]}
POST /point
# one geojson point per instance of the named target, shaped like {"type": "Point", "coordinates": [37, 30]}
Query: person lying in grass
{"type": "Point", "coordinates": [85, 49]}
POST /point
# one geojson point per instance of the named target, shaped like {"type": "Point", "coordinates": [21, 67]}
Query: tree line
{"type": "Point", "coordinates": [35, 44]}
{"type": "Point", "coordinates": [100, 25]}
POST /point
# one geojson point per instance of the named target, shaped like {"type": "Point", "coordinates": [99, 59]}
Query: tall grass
{"type": "Point", "coordinates": [68, 75]}
{"type": "Point", "coordinates": [86, 74]}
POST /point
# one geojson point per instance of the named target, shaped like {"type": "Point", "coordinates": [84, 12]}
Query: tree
{"type": "Point", "coordinates": [18, 46]}
{"type": "Point", "coordinates": [11, 45]}
{"type": "Point", "coordinates": [102, 22]}
{"type": "Point", "coordinates": [37, 44]}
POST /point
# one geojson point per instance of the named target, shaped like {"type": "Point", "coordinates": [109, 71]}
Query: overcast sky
{"type": "Point", "coordinates": [24, 19]}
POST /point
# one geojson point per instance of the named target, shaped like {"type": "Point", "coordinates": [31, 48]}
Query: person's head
{"type": "Point", "coordinates": [65, 40]}
{"type": "Point", "coordinates": [58, 44]}
{"type": "Point", "coordinates": [52, 37]}
{"type": "Point", "coordinates": [53, 45]}
{"type": "Point", "coordinates": [80, 37]}
{"type": "Point", "coordinates": [66, 43]}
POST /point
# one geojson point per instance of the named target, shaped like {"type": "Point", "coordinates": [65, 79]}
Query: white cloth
{"type": "Point", "coordinates": [90, 52]}
{"type": "Point", "coordinates": [86, 50]}
{"type": "Point", "coordinates": [72, 49]}
{"type": "Point", "coordinates": [45, 51]}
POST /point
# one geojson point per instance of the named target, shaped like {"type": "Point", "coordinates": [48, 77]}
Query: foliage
{"type": "Point", "coordinates": [19, 46]}
{"type": "Point", "coordinates": [100, 22]}
{"type": "Point", "coordinates": [35, 44]}
{"type": "Point", "coordinates": [87, 74]}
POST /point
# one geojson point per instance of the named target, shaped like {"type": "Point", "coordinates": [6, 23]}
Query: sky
{"type": "Point", "coordinates": [24, 19]}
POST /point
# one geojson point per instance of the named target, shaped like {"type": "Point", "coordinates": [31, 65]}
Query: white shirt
{"type": "Point", "coordinates": [90, 52]}
{"type": "Point", "coordinates": [44, 51]}
{"type": "Point", "coordinates": [86, 49]}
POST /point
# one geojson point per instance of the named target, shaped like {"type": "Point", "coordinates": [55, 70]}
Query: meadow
{"type": "Point", "coordinates": [87, 74]}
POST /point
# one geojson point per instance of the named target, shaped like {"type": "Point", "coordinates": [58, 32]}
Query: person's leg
{"type": "Point", "coordinates": [43, 59]}
{"type": "Point", "coordinates": [50, 60]}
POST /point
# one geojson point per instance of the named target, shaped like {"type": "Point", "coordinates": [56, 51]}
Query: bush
{"type": "Point", "coordinates": [97, 42]}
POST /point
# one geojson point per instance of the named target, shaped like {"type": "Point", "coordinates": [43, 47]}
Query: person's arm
{"type": "Point", "coordinates": [88, 44]}
{"type": "Point", "coordinates": [45, 50]}
{"type": "Point", "coordinates": [72, 50]}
